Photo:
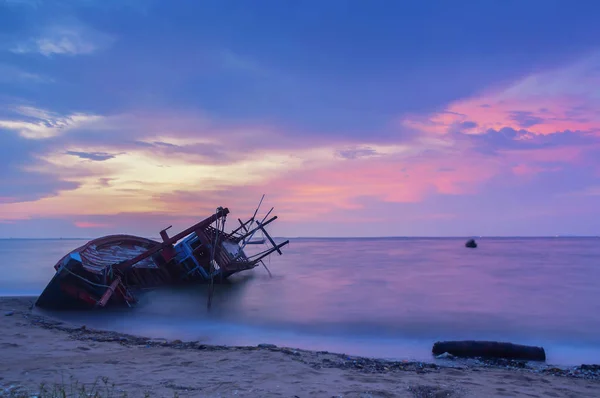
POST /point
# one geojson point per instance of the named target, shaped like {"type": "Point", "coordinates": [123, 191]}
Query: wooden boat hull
{"type": "Point", "coordinates": [106, 270]}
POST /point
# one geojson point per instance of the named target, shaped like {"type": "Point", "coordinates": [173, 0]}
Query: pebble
{"type": "Point", "coordinates": [156, 341]}
{"type": "Point", "coordinates": [291, 352]}
{"type": "Point", "coordinates": [595, 368]}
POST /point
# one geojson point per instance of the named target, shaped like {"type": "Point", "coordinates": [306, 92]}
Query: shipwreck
{"type": "Point", "coordinates": [111, 270]}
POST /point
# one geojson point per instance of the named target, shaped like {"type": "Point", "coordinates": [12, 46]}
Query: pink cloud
{"type": "Point", "coordinates": [543, 103]}
{"type": "Point", "coordinates": [310, 194]}
{"type": "Point", "coordinates": [525, 169]}
{"type": "Point", "coordinates": [571, 154]}
{"type": "Point", "coordinates": [530, 170]}
{"type": "Point", "coordinates": [446, 158]}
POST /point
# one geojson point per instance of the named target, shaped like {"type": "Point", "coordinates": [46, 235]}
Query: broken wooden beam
{"type": "Point", "coordinates": [242, 226]}
{"type": "Point", "coordinates": [266, 234]}
{"type": "Point", "coordinates": [268, 252]}
{"type": "Point", "coordinates": [222, 212]}
{"type": "Point", "coordinates": [109, 292]}
{"type": "Point", "coordinates": [261, 226]}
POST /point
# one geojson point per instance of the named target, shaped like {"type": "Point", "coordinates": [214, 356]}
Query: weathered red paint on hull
{"type": "Point", "coordinates": [102, 271]}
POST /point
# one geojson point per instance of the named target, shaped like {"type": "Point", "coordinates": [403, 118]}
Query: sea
{"type": "Point", "coordinates": [378, 297]}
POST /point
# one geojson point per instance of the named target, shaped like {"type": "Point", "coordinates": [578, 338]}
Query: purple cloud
{"type": "Point", "coordinates": [18, 184]}
{"type": "Point", "coordinates": [95, 156]}
{"type": "Point", "coordinates": [467, 125]}
{"type": "Point", "coordinates": [197, 98]}
{"type": "Point", "coordinates": [525, 119]}
{"type": "Point", "coordinates": [357, 153]}
{"type": "Point", "coordinates": [494, 141]}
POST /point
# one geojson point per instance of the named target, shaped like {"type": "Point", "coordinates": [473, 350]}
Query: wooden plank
{"type": "Point", "coordinates": [268, 252]}
{"type": "Point", "coordinates": [249, 233]}
{"type": "Point", "coordinates": [242, 226]}
{"type": "Point", "coordinates": [262, 228]}
{"type": "Point", "coordinates": [109, 292]}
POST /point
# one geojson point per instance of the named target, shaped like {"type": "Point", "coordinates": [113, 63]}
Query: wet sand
{"type": "Point", "coordinates": [35, 349]}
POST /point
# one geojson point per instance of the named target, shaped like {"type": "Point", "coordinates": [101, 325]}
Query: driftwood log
{"type": "Point", "coordinates": [489, 349]}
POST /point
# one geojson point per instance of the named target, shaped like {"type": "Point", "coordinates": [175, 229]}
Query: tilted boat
{"type": "Point", "coordinates": [111, 269]}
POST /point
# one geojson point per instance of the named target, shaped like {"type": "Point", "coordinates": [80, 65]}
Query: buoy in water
{"type": "Point", "coordinates": [471, 243]}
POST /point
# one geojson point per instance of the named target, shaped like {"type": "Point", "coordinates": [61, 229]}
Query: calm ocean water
{"type": "Point", "coordinates": [387, 298]}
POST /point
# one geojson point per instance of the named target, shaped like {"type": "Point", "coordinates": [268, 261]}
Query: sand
{"type": "Point", "coordinates": [37, 350]}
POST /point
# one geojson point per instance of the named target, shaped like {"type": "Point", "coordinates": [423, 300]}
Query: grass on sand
{"type": "Point", "coordinates": [101, 388]}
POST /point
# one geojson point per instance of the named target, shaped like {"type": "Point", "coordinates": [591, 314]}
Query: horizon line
{"type": "Point", "coordinates": [355, 237]}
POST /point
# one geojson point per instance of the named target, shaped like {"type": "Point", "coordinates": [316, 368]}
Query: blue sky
{"type": "Point", "coordinates": [379, 117]}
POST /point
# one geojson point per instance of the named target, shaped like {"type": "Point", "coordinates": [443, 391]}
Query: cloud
{"type": "Point", "coordinates": [498, 141]}
{"type": "Point", "coordinates": [138, 161]}
{"type": "Point", "coordinates": [310, 194]}
{"type": "Point", "coordinates": [104, 181]}
{"type": "Point", "coordinates": [524, 169]}
{"type": "Point", "coordinates": [216, 153]}
{"type": "Point", "coordinates": [17, 187]}
{"type": "Point", "coordinates": [467, 125]}
{"type": "Point", "coordinates": [71, 39]}
{"type": "Point", "coordinates": [154, 131]}
{"type": "Point", "coordinates": [11, 75]}
{"type": "Point", "coordinates": [174, 163]}
{"type": "Point", "coordinates": [18, 184]}
{"type": "Point", "coordinates": [95, 156]}
{"type": "Point", "coordinates": [591, 191]}
{"type": "Point", "coordinates": [357, 153]}
{"type": "Point", "coordinates": [538, 126]}
{"type": "Point", "coordinates": [525, 119]}
{"type": "Point", "coordinates": [562, 99]}
{"type": "Point", "coordinates": [33, 123]}
{"type": "Point", "coordinates": [180, 163]}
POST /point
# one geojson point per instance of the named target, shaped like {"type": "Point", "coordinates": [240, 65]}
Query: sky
{"type": "Point", "coordinates": [355, 118]}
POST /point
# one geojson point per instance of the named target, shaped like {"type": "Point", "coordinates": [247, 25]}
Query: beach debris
{"type": "Point", "coordinates": [471, 244]}
{"type": "Point", "coordinates": [590, 368]}
{"type": "Point", "coordinates": [267, 346]}
{"type": "Point", "coordinates": [489, 349]}
{"type": "Point", "coordinates": [589, 372]}
{"type": "Point", "coordinates": [445, 355]}
{"type": "Point", "coordinates": [110, 270]}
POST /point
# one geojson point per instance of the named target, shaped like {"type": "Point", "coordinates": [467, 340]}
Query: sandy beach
{"type": "Point", "coordinates": [38, 350]}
